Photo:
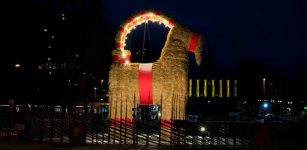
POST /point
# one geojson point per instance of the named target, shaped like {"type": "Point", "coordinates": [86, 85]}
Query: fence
{"type": "Point", "coordinates": [44, 124]}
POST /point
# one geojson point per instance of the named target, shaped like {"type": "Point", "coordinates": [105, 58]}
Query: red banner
{"type": "Point", "coordinates": [193, 42]}
{"type": "Point", "coordinates": [145, 83]}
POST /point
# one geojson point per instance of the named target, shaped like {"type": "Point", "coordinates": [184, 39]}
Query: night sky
{"type": "Point", "coordinates": [272, 32]}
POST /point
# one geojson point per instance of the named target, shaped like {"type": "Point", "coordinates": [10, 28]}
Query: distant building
{"type": "Point", "coordinates": [213, 88]}
{"type": "Point", "coordinates": [212, 98]}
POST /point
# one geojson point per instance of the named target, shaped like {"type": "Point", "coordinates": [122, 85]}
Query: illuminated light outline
{"type": "Point", "coordinates": [190, 87]}
{"type": "Point", "coordinates": [205, 88]}
{"type": "Point", "coordinates": [140, 18]}
{"type": "Point", "coordinates": [221, 88]}
{"type": "Point", "coordinates": [197, 88]}
{"type": "Point", "coordinates": [213, 88]}
{"type": "Point", "coordinates": [228, 88]}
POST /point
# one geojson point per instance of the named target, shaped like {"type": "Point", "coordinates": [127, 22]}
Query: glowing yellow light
{"type": "Point", "coordinates": [127, 62]}
{"type": "Point", "coordinates": [221, 88]}
{"type": "Point", "coordinates": [190, 88]}
{"type": "Point", "coordinates": [124, 55]}
{"type": "Point", "coordinates": [228, 88]}
{"type": "Point", "coordinates": [148, 16]}
{"type": "Point", "coordinates": [197, 88]}
{"type": "Point", "coordinates": [17, 65]}
{"type": "Point", "coordinates": [213, 88]}
{"type": "Point", "coordinates": [205, 88]}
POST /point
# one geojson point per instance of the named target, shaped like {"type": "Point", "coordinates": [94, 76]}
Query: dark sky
{"type": "Point", "coordinates": [271, 31]}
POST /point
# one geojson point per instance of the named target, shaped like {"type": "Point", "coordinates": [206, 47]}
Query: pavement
{"type": "Point", "coordinates": [38, 146]}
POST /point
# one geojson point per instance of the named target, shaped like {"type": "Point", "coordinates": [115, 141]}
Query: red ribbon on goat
{"type": "Point", "coordinates": [193, 42]}
{"type": "Point", "coordinates": [145, 83]}
{"type": "Point", "coordinates": [118, 59]}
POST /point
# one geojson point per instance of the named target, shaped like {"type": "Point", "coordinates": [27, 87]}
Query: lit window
{"type": "Point", "coordinates": [228, 88]}
{"type": "Point", "coordinates": [221, 88]}
{"type": "Point", "coordinates": [190, 88]}
{"type": "Point", "coordinates": [197, 88]}
{"type": "Point", "coordinates": [205, 88]}
{"type": "Point", "coordinates": [213, 88]}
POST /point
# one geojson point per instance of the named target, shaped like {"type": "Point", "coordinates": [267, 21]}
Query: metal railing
{"type": "Point", "coordinates": [46, 125]}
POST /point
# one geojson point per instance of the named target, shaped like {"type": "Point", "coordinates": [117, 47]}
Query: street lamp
{"type": "Point", "coordinates": [101, 82]}
{"type": "Point", "coordinates": [17, 65]}
{"type": "Point", "coordinates": [95, 89]}
{"type": "Point", "coordinates": [202, 129]}
{"type": "Point", "coordinates": [93, 105]}
{"type": "Point", "coordinates": [263, 84]}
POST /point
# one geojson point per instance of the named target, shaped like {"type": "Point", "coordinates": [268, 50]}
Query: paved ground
{"type": "Point", "coordinates": [34, 146]}
{"type": "Point", "coordinates": [37, 146]}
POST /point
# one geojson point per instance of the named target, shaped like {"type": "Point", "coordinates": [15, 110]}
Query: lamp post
{"type": "Point", "coordinates": [95, 89]}
{"type": "Point", "coordinates": [263, 87]}
{"type": "Point", "coordinates": [101, 81]}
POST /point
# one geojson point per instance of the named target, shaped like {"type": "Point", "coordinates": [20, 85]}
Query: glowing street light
{"type": "Point", "coordinates": [95, 88]}
{"type": "Point", "coordinates": [17, 65]}
{"type": "Point", "coordinates": [265, 105]}
{"type": "Point", "coordinates": [202, 129]}
{"type": "Point", "coordinates": [101, 82]}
